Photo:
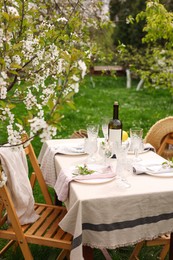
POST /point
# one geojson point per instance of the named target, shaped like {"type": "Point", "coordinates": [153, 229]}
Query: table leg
{"type": "Point", "coordinates": [88, 253]}
{"type": "Point", "coordinates": [171, 248]}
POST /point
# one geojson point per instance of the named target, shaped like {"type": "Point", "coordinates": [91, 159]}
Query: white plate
{"type": "Point", "coordinates": [144, 151]}
{"type": "Point", "coordinates": [163, 175]}
{"type": "Point", "coordinates": [96, 181]}
{"type": "Point", "coordinates": [70, 153]}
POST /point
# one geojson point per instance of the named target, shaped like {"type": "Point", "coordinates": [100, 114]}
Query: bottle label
{"type": "Point", "coordinates": [114, 137]}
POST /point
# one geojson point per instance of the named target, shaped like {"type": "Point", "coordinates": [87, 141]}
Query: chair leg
{"type": "Point", "coordinates": [64, 253]}
{"type": "Point", "coordinates": [7, 246]}
{"type": "Point", "coordinates": [164, 252]}
{"type": "Point", "coordinates": [136, 250]}
{"type": "Point", "coordinates": [106, 254]}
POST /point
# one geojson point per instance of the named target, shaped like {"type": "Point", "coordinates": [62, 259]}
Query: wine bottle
{"type": "Point", "coordinates": [115, 129]}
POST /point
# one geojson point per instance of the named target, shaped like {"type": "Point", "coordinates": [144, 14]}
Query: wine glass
{"type": "Point", "coordinates": [106, 151]}
{"type": "Point", "coordinates": [105, 122]}
{"type": "Point", "coordinates": [123, 167]}
{"type": "Point", "coordinates": [91, 149]}
{"type": "Point", "coordinates": [136, 141]}
{"type": "Point", "coordinates": [91, 142]}
{"type": "Point", "coordinates": [92, 131]}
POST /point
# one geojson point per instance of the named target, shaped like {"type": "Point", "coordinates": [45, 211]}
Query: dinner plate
{"type": "Point", "coordinates": [72, 150]}
{"type": "Point", "coordinates": [144, 151]}
{"type": "Point", "coordinates": [163, 175]}
{"type": "Point", "coordinates": [96, 181]}
{"type": "Point", "coordinates": [73, 153]}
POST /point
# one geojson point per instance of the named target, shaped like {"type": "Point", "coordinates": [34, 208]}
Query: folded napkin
{"type": "Point", "coordinates": [150, 168]}
{"type": "Point", "coordinates": [145, 147]}
{"type": "Point", "coordinates": [67, 175]}
{"type": "Point", "coordinates": [47, 162]}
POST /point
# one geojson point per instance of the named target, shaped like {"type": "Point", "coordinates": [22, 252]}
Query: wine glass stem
{"type": "Point", "coordinates": [136, 153]}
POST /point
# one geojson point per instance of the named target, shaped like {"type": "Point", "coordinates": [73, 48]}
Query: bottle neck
{"type": "Point", "coordinates": [115, 111]}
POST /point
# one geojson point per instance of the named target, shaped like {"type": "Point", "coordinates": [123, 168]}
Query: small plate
{"type": "Point", "coordinates": [163, 175]}
{"type": "Point", "coordinates": [144, 151]}
{"type": "Point", "coordinates": [72, 150]}
{"type": "Point", "coordinates": [96, 181]}
{"type": "Point", "coordinates": [72, 153]}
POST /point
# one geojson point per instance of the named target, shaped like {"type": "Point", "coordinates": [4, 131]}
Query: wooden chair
{"type": "Point", "coordinates": [163, 240]}
{"type": "Point", "coordinates": [45, 231]}
{"type": "Point", "coordinates": [164, 150]}
{"type": "Point", "coordinates": [160, 135]}
{"type": "Point", "coordinates": [81, 133]}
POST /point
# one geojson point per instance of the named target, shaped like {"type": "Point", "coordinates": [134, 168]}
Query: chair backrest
{"type": "Point", "coordinates": [165, 147]}
{"type": "Point", "coordinates": [37, 174]}
{"type": "Point", "coordinates": [160, 136]}
{"type": "Point", "coordinates": [81, 133]}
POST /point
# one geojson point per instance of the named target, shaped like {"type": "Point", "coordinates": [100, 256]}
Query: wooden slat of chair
{"type": "Point", "coordinates": [37, 171]}
{"type": "Point", "coordinates": [159, 241]}
{"type": "Point", "coordinates": [168, 139]}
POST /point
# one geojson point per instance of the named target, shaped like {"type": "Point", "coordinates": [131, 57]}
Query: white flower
{"type": "Point", "coordinates": [17, 59]}
{"type": "Point", "coordinates": [75, 87]}
{"type": "Point", "coordinates": [75, 78]}
{"type": "Point", "coordinates": [82, 67]}
{"type": "Point", "coordinates": [30, 100]}
{"type": "Point", "coordinates": [4, 74]}
{"type": "Point", "coordinates": [7, 61]}
{"type": "Point", "coordinates": [3, 90]}
{"type": "Point", "coordinates": [13, 11]}
{"type": "Point", "coordinates": [62, 19]}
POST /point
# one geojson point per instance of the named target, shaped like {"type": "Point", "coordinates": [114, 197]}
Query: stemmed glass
{"type": "Point", "coordinates": [91, 141]}
{"type": "Point", "coordinates": [106, 151]}
{"type": "Point", "coordinates": [123, 166]}
{"type": "Point", "coordinates": [136, 141]}
{"type": "Point", "coordinates": [105, 122]}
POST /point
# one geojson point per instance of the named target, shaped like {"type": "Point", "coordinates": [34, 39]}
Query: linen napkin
{"type": "Point", "coordinates": [151, 168]}
{"type": "Point", "coordinates": [144, 147]}
{"type": "Point", "coordinates": [15, 167]}
{"type": "Point", "coordinates": [47, 162]}
{"type": "Point", "coordinates": [67, 175]}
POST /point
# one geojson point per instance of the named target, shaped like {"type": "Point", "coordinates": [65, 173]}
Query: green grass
{"type": "Point", "coordinates": [136, 108]}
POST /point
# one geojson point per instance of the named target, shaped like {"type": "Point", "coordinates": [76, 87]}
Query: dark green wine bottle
{"type": "Point", "coordinates": [115, 128]}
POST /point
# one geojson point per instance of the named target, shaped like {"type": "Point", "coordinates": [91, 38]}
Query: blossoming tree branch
{"type": "Point", "coordinates": [45, 50]}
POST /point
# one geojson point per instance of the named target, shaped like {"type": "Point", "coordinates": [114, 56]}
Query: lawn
{"type": "Point", "coordinates": [95, 101]}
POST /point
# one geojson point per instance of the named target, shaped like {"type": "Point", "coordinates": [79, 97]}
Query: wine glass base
{"type": "Point", "coordinates": [137, 159]}
{"type": "Point", "coordinates": [123, 184]}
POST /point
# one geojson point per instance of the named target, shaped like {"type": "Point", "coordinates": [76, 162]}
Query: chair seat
{"type": "Point", "coordinates": [45, 231]}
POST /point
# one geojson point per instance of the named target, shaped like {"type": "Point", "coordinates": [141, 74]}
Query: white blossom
{"type": "Point", "coordinates": [75, 78]}
{"type": "Point", "coordinates": [4, 74]}
{"type": "Point", "coordinates": [75, 87]}
{"type": "Point", "coordinates": [12, 10]}
{"type": "Point", "coordinates": [17, 59]}
{"type": "Point", "coordinates": [62, 19]}
{"type": "Point", "coordinates": [82, 67]}
{"type": "Point", "coordinates": [3, 89]}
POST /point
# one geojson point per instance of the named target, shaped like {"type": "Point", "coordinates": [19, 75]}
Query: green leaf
{"type": "Point", "coordinates": [6, 16]}
{"type": "Point", "coordinates": [15, 66]}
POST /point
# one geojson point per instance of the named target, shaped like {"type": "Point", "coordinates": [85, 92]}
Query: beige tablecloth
{"type": "Point", "coordinates": [103, 215]}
